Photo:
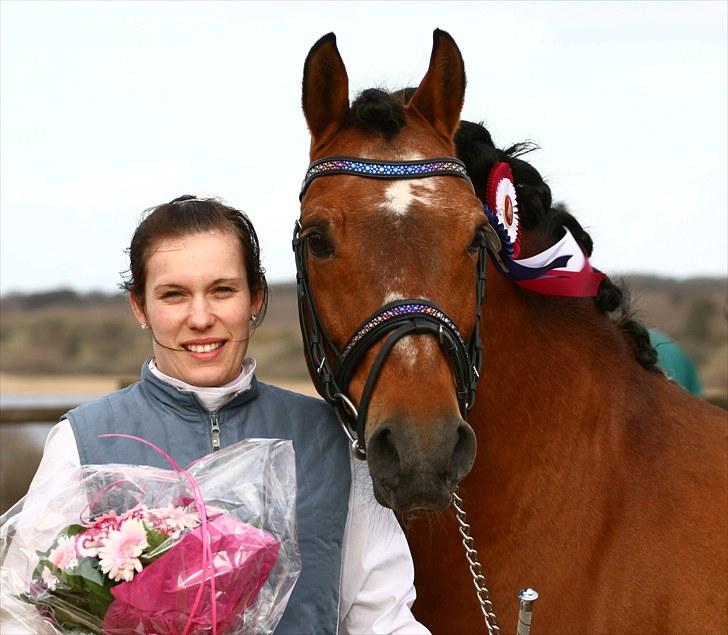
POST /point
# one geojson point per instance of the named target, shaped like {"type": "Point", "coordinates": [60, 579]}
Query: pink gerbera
{"type": "Point", "coordinates": [178, 518]}
{"type": "Point", "coordinates": [119, 555]}
{"type": "Point", "coordinates": [64, 554]}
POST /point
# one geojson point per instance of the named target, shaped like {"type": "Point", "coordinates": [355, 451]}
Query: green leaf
{"type": "Point", "coordinates": [154, 538]}
{"type": "Point", "coordinates": [98, 598]}
{"type": "Point", "coordinates": [88, 569]}
{"type": "Point", "coordinates": [73, 530]}
{"type": "Point", "coordinates": [159, 544]}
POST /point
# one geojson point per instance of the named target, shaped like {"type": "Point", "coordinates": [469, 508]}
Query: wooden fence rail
{"type": "Point", "coordinates": [32, 414]}
{"type": "Point", "coordinates": [51, 414]}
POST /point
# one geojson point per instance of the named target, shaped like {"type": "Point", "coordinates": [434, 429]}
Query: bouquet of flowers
{"type": "Point", "coordinates": [120, 549]}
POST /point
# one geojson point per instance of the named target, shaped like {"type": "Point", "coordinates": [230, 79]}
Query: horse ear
{"type": "Point", "coordinates": [325, 88]}
{"type": "Point", "coordinates": [439, 97]}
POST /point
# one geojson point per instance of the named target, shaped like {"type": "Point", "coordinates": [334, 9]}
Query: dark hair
{"type": "Point", "coordinates": [378, 111]}
{"type": "Point", "coordinates": [476, 149]}
{"type": "Point", "coordinates": [190, 215]}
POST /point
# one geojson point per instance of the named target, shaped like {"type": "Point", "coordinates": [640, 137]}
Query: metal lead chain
{"type": "Point", "coordinates": [476, 569]}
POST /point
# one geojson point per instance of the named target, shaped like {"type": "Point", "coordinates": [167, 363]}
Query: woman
{"type": "Point", "coordinates": [197, 286]}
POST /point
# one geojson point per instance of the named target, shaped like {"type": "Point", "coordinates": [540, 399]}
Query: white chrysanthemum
{"type": "Point", "coordinates": [49, 579]}
{"type": "Point", "coordinates": [64, 554]}
{"type": "Point", "coordinates": [507, 208]}
{"type": "Point", "coordinates": [119, 555]}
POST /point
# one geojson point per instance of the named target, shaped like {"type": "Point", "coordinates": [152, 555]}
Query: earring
{"type": "Point", "coordinates": [253, 319]}
{"type": "Point", "coordinates": [144, 326]}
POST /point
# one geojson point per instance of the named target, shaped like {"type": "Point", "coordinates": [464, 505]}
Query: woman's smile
{"type": "Point", "coordinates": [204, 347]}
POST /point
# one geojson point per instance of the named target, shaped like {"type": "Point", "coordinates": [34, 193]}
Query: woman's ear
{"type": "Point", "coordinates": [137, 309]}
{"type": "Point", "coordinates": [256, 303]}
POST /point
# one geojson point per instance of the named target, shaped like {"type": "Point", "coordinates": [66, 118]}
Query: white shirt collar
{"type": "Point", "coordinates": [212, 398]}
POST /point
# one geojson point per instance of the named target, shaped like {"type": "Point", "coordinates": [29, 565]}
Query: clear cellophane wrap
{"type": "Point", "coordinates": [119, 549]}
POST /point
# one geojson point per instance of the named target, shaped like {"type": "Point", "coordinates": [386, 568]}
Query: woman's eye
{"type": "Point", "coordinates": [171, 295]}
{"type": "Point", "coordinates": [319, 245]}
{"type": "Point", "coordinates": [224, 290]}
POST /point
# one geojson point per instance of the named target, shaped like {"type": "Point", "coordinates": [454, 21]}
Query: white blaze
{"type": "Point", "coordinates": [410, 347]}
{"type": "Point", "coordinates": [399, 195]}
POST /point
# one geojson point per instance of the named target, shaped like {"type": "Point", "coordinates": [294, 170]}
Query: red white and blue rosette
{"type": "Point", "coordinates": [501, 207]}
{"type": "Point", "coordinates": [561, 270]}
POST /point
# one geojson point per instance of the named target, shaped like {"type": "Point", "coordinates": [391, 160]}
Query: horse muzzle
{"type": "Point", "coordinates": [416, 465]}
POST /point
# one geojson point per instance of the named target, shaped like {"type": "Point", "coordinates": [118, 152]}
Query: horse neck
{"type": "Point", "coordinates": [553, 378]}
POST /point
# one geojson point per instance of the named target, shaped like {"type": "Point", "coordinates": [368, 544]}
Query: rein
{"type": "Point", "coordinates": [391, 322]}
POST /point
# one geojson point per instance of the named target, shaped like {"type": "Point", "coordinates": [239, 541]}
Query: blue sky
{"type": "Point", "coordinates": [107, 108]}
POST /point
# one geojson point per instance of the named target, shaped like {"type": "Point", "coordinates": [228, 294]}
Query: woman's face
{"type": "Point", "coordinates": [197, 303]}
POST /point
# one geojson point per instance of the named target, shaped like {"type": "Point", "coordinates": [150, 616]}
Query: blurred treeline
{"type": "Point", "coordinates": [64, 332]}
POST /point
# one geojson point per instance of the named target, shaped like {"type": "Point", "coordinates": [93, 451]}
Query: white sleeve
{"type": "Point", "coordinates": [60, 453]}
{"type": "Point", "coordinates": [377, 573]}
{"type": "Point", "coordinates": [36, 527]}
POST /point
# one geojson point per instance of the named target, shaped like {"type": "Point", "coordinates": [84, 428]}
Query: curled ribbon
{"type": "Point", "coordinates": [95, 499]}
{"type": "Point", "coordinates": [207, 563]}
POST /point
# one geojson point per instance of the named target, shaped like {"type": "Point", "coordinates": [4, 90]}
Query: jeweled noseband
{"type": "Point", "coordinates": [393, 321]}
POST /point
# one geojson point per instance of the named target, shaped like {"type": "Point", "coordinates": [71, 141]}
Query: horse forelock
{"type": "Point", "coordinates": [377, 110]}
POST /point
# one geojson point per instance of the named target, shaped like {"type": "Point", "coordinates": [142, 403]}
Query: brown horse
{"type": "Point", "coordinates": [597, 481]}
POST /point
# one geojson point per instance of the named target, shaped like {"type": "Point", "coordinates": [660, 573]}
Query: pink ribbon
{"type": "Point", "coordinates": [207, 563]}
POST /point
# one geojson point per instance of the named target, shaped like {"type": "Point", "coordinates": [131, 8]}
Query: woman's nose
{"type": "Point", "coordinates": [201, 315]}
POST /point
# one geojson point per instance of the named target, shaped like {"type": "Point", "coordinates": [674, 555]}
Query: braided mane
{"type": "Point", "coordinates": [537, 212]}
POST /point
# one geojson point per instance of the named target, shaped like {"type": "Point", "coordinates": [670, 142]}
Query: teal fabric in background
{"type": "Point", "coordinates": [675, 362]}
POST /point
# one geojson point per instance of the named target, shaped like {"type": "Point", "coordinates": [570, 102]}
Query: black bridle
{"type": "Point", "coordinates": [391, 322]}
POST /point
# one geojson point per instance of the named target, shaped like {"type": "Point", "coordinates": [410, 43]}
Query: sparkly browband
{"type": "Point", "coordinates": [440, 166]}
{"type": "Point", "coordinates": [405, 309]}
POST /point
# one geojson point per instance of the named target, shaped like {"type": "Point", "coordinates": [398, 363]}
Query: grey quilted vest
{"type": "Point", "coordinates": [180, 425]}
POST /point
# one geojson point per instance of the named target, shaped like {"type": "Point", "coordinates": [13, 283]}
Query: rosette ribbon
{"type": "Point", "coordinates": [561, 270]}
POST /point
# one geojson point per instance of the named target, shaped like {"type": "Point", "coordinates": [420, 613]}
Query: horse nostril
{"type": "Point", "coordinates": [383, 455]}
{"type": "Point", "coordinates": [463, 455]}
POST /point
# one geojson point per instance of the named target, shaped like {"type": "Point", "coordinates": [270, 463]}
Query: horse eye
{"type": "Point", "coordinates": [319, 245]}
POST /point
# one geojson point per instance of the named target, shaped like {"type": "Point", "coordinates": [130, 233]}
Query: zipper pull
{"type": "Point", "coordinates": [215, 431]}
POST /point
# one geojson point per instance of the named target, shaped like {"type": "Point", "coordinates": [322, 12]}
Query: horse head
{"type": "Point", "coordinates": [388, 272]}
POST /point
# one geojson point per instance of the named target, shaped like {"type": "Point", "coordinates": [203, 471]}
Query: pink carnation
{"type": "Point", "coordinates": [89, 542]}
{"type": "Point", "coordinates": [106, 522]}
